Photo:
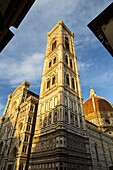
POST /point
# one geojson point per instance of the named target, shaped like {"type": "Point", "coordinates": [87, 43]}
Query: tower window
{"type": "Point", "coordinates": [48, 84]}
{"type": "Point", "coordinates": [29, 119]}
{"type": "Point", "coordinates": [71, 63]}
{"type": "Point", "coordinates": [53, 80]}
{"type": "Point", "coordinates": [24, 148]}
{"type": "Point", "coordinates": [107, 121]}
{"type": "Point", "coordinates": [28, 128]}
{"type": "Point", "coordinates": [67, 79]}
{"type": "Point", "coordinates": [53, 45]}
{"type": "Point", "coordinates": [26, 138]}
{"type": "Point", "coordinates": [66, 59]}
{"type": "Point", "coordinates": [50, 64]}
{"type": "Point", "coordinates": [21, 167]}
{"type": "Point", "coordinates": [54, 60]}
{"type": "Point", "coordinates": [73, 84]}
{"type": "Point", "coordinates": [67, 43]}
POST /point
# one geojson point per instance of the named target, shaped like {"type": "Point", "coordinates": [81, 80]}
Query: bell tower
{"type": "Point", "coordinates": [60, 141]}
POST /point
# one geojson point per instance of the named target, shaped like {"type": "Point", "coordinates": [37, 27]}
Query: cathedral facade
{"type": "Point", "coordinates": [50, 131]}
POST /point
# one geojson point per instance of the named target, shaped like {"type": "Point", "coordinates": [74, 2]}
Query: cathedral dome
{"type": "Point", "coordinates": [100, 104]}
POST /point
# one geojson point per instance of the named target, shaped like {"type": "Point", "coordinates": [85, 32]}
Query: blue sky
{"type": "Point", "coordinates": [23, 57]}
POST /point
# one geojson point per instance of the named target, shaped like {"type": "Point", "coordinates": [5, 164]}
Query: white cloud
{"type": "Point", "coordinates": [14, 71]}
{"type": "Point", "coordinates": [83, 66]}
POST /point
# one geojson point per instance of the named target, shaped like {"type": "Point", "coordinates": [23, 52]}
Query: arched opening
{"type": "Point", "coordinates": [55, 116]}
{"type": "Point", "coordinates": [66, 58]}
{"type": "Point", "coordinates": [67, 43]}
{"type": "Point", "coordinates": [73, 84]}
{"type": "Point", "coordinates": [1, 146]}
{"type": "Point", "coordinates": [48, 84]}
{"type": "Point", "coordinates": [71, 65]}
{"type": "Point", "coordinates": [54, 45]}
{"type": "Point", "coordinates": [53, 80]}
{"type": "Point", "coordinates": [21, 166]}
{"type": "Point", "coordinates": [66, 116]}
{"type": "Point", "coordinates": [49, 119]}
{"type": "Point", "coordinates": [67, 79]}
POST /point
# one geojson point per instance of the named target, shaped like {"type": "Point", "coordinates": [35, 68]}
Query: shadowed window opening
{"type": "Point", "coordinates": [53, 45]}
{"type": "Point", "coordinates": [66, 59]}
{"type": "Point", "coordinates": [67, 79]}
{"type": "Point", "coordinates": [54, 60]}
{"type": "Point", "coordinates": [67, 43]}
{"type": "Point", "coordinates": [71, 63]}
{"type": "Point", "coordinates": [21, 167]}
{"type": "Point", "coordinates": [28, 128]}
{"type": "Point", "coordinates": [26, 138]}
{"type": "Point", "coordinates": [53, 80]}
{"type": "Point", "coordinates": [48, 84]}
{"type": "Point", "coordinates": [73, 84]}
{"type": "Point", "coordinates": [24, 148]}
{"type": "Point", "coordinates": [107, 121]}
{"type": "Point", "coordinates": [50, 63]}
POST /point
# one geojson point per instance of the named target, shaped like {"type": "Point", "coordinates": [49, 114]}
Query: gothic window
{"type": "Point", "coordinates": [28, 128]}
{"type": "Point", "coordinates": [72, 119]}
{"type": "Point", "coordinates": [67, 43]}
{"type": "Point", "coordinates": [1, 145]}
{"type": "Point", "coordinates": [67, 79]}
{"type": "Point", "coordinates": [50, 63]}
{"type": "Point", "coordinates": [53, 45]}
{"type": "Point", "coordinates": [49, 119]}
{"type": "Point", "coordinates": [21, 166]}
{"type": "Point", "coordinates": [54, 60]}
{"type": "Point", "coordinates": [45, 122]}
{"type": "Point", "coordinates": [53, 80]}
{"type": "Point", "coordinates": [66, 58]}
{"type": "Point", "coordinates": [66, 116]}
{"type": "Point", "coordinates": [24, 148]}
{"type": "Point", "coordinates": [29, 119]}
{"type": "Point", "coordinates": [48, 84]}
{"type": "Point", "coordinates": [73, 84]}
{"type": "Point", "coordinates": [71, 63]}
{"type": "Point", "coordinates": [76, 87]}
{"type": "Point", "coordinates": [26, 138]}
{"type": "Point", "coordinates": [31, 108]}
{"type": "Point", "coordinates": [55, 117]}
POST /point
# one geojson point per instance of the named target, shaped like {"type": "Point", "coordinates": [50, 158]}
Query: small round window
{"type": "Point", "coordinates": [107, 121]}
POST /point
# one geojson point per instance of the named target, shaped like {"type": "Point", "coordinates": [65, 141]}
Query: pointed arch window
{"type": "Point", "coordinates": [21, 166]}
{"type": "Point", "coordinates": [73, 84]}
{"type": "Point", "coordinates": [48, 84]}
{"type": "Point", "coordinates": [55, 117]}
{"type": "Point", "coordinates": [54, 45]}
{"type": "Point", "coordinates": [54, 60]}
{"type": "Point", "coordinates": [50, 63]}
{"type": "Point", "coordinates": [53, 80]}
{"type": "Point", "coordinates": [67, 43]}
{"type": "Point", "coordinates": [66, 116]}
{"type": "Point", "coordinates": [67, 79]}
{"type": "Point", "coordinates": [71, 65]}
{"type": "Point", "coordinates": [66, 58]}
